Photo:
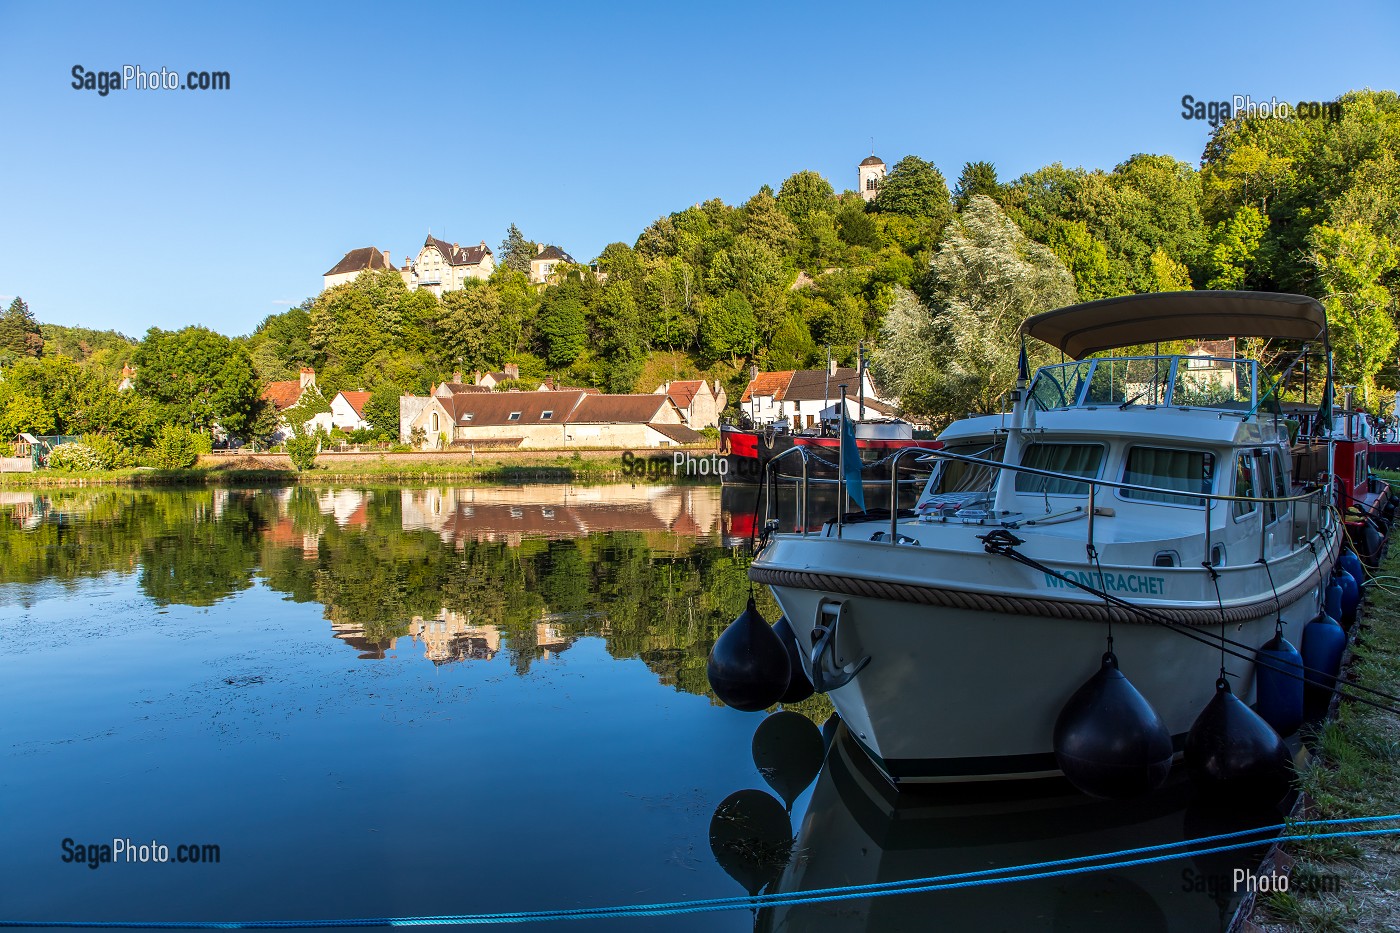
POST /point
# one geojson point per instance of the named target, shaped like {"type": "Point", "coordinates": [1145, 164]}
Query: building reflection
{"type": "Point", "coordinates": [511, 514]}
{"type": "Point", "coordinates": [452, 636]}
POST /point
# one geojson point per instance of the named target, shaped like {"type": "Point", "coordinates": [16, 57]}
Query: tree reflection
{"type": "Point", "coordinates": [653, 578]}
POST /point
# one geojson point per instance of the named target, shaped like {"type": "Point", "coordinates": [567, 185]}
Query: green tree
{"type": "Point", "coordinates": [959, 352]}
{"type": "Point", "coordinates": [469, 327]}
{"type": "Point", "coordinates": [915, 188]}
{"type": "Point", "coordinates": [1234, 244]}
{"type": "Point", "coordinates": [765, 223]}
{"type": "Point", "coordinates": [382, 410]}
{"type": "Point", "coordinates": [976, 178]}
{"type": "Point", "coordinates": [516, 251]}
{"type": "Point", "coordinates": [728, 329]}
{"type": "Point", "coordinates": [19, 331]}
{"type": "Point", "coordinates": [562, 328]}
{"type": "Point", "coordinates": [1351, 261]}
{"type": "Point", "coordinates": [197, 378]}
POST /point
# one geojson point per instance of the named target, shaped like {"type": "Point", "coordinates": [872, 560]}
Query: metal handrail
{"type": "Point", "coordinates": [1093, 484]}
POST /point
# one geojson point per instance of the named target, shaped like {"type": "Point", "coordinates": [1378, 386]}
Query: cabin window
{"type": "Point", "coordinates": [514, 416]}
{"type": "Point", "coordinates": [546, 414]}
{"type": "Point", "coordinates": [1245, 484]}
{"type": "Point", "coordinates": [954, 477]}
{"type": "Point", "coordinates": [1168, 469]}
{"type": "Point", "coordinates": [1073, 459]}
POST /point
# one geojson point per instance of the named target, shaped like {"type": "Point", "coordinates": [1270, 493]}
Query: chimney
{"type": "Point", "coordinates": [539, 248]}
{"type": "Point", "coordinates": [308, 377]}
{"type": "Point", "coordinates": [512, 370]}
{"type": "Point", "coordinates": [549, 383]}
{"type": "Point", "coordinates": [831, 366]}
{"type": "Point", "coordinates": [457, 377]}
{"type": "Point", "coordinates": [388, 263]}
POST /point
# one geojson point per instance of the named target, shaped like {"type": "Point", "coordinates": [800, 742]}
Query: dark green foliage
{"type": "Point", "coordinates": [197, 378]}
{"type": "Point", "coordinates": [176, 447]}
{"type": "Point", "coordinates": [516, 251]}
{"type": "Point", "coordinates": [19, 332]}
{"type": "Point", "coordinates": [562, 328]}
{"type": "Point", "coordinates": [915, 188]}
{"type": "Point", "coordinates": [976, 178]}
{"type": "Point", "coordinates": [382, 410]}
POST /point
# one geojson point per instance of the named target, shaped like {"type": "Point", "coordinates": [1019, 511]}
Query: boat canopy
{"type": "Point", "coordinates": [1082, 329]}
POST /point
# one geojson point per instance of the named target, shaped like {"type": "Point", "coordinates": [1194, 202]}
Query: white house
{"type": "Point", "coordinates": [799, 396]}
{"type": "Point", "coordinates": [348, 410]}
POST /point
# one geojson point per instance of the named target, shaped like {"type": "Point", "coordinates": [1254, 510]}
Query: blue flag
{"type": "Point", "coordinates": [855, 488]}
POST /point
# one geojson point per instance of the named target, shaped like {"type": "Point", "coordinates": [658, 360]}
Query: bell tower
{"type": "Point", "coordinates": [871, 173]}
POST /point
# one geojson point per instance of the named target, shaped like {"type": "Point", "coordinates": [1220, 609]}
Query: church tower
{"type": "Point", "coordinates": [872, 172]}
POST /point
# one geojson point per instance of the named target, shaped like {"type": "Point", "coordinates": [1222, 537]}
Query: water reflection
{"type": "Point", "coordinates": [443, 573]}
{"type": "Point", "coordinates": [857, 830]}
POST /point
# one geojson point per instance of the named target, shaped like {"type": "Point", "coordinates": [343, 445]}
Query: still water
{"type": "Point", "coordinates": [419, 701]}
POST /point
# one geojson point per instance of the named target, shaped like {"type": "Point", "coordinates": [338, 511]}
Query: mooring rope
{"type": "Point", "coordinates": [1237, 650]}
{"type": "Point", "coordinates": [985, 877]}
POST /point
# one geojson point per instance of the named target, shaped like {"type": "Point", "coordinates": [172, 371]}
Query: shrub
{"type": "Point", "coordinates": [176, 447]}
{"type": "Point", "coordinates": [302, 448]}
{"type": "Point", "coordinates": [74, 456]}
{"type": "Point", "coordinates": [110, 454]}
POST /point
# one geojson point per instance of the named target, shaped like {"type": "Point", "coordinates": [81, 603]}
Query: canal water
{"type": "Point", "coordinates": [382, 702]}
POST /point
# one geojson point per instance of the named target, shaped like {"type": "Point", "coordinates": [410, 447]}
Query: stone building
{"type": "Point", "coordinates": [545, 261]}
{"type": "Point", "coordinates": [869, 175]}
{"type": "Point", "coordinates": [446, 267]}
{"type": "Point", "coordinates": [700, 403]}
{"type": "Point", "coordinates": [546, 419]}
{"type": "Point", "coordinates": [364, 259]}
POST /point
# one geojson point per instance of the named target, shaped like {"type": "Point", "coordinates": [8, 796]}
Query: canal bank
{"type": "Point", "coordinates": [496, 466]}
{"type": "Point", "coordinates": [1353, 771]}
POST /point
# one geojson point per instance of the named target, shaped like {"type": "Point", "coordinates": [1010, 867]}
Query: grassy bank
{"type": "Point", "coordinates": [1344, 885]}
{"type": "Point", "coordinates": [276, 469]}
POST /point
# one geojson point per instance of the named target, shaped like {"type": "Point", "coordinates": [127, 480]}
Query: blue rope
{"type": "Point", "coordinates": [818, 896]}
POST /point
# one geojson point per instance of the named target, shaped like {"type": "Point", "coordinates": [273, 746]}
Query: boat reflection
{"type": "Point", "coordinates": [857, 830]}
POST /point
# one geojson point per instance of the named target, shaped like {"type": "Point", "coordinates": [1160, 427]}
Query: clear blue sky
{"type": "Point", "coordinates": [351, 125]}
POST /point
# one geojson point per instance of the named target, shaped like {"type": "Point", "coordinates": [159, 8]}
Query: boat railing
{"type": "Point", "coordinates": [1318, 518]}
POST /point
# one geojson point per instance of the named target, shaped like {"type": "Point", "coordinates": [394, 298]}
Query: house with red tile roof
{"type": "Point", "coordinates": [799, 396]}
{"type": "Point", "coordinates": [699, 402]}
{"type": "Point", "coordinates": [348, 410]}
{"type": "Point", "coordinates": [285, 393]}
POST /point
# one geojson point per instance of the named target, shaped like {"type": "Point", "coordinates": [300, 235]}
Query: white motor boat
{"type": "Point", "coordinates": [1144, 498]}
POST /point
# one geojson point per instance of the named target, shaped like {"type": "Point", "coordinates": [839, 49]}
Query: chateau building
{"type": "Point", "coordinates": [445, 267]}
{"type": "Point", "coordinates": [364, 259]}
{"type": "Point", "coordinates": [544, 262]}
{"type": "Point", "coordinates": [439, 266]}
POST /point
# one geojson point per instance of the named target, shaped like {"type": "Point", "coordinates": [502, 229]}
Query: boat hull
{"type": "Point", "coordinates": [971, 693]}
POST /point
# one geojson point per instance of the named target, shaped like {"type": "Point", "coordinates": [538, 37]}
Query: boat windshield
{"type": "Point", "coordinates": [959, 484]}
{"type": "Point", "coordinates": [1180, 381]}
